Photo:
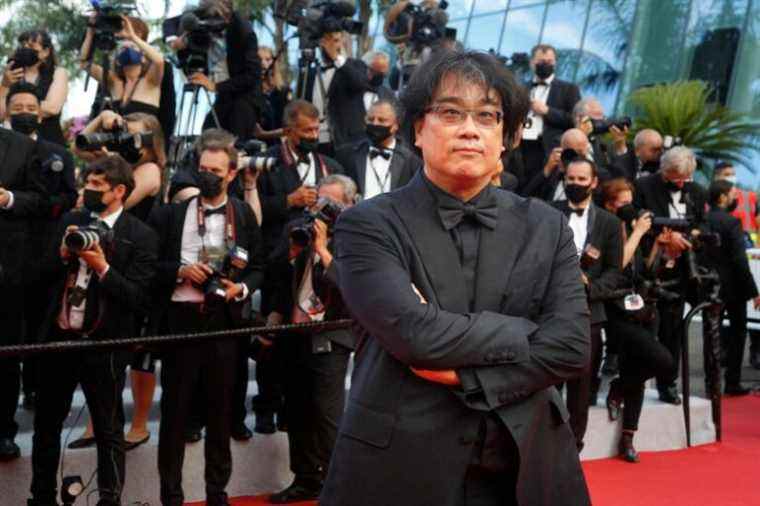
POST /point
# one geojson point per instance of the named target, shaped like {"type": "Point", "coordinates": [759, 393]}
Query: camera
{"type": "Point", "coordinates": [199, 29]}
{"type": "Point", "coordinates": [669, 142]}
{"type": "Point", "coordinates": [429, 25]}
{"type": "Point", "coordinates": [227, 267]}
{"type": "Point", "coordinates": [23, 57]}
{"type": "Point", "coordinates": [108, 21]}
{"type": "Point", "coordinates": [316, 19]}
{"type": "Point", "coordinates": [254, 150]}
{"type": "Point", "coordinates": [602, 126]}
{"type": "Point", "coordinates": [86, 238]}
{"type": "Point", "coordinates": [119, 141]}
{"type": "Point", "coordinates": [326, 210]}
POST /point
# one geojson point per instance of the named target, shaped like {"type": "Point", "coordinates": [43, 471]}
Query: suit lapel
{"type": "Point", "coordinates": [495, 262]}
{"type": "Point", "coordinates": [418, 210]}
{"type": "Point", "coordinates": [590, 225]}
{"type": "Point", "coordinates": [397, 165]}
{"type": "Point", "coordinates": [551, 98]}
{"type": "Point", "coordinates": [361, 166]}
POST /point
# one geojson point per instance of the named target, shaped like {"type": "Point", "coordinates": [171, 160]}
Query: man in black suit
{"type": "Point", "coordinates": [234, 71]}
{"type": "Point", "coordinates": [98, 293]}
{"type": "Point", "coordinates": [57, 174]}
{"type": "Point", "coordinates": [598, 239]}
{"type": "Point", "coordinates": [22, 194]}
{"type": "Point", "coordinates": [643, 160]}
{"type": "Point", "coordinates": [195, 235]}
{"type": "Point", "coordinates": [472, 308]}
{"type": "Point", "coordinates": [380, 163]}
{"type": "Point", "coordinates": [315, 364]}
{"type": "Point", "coordinates": [670, 193]}
{"type": "Point", "coordinates": [552, 102]}
{"type": "Point", "coordinates": [336, 86]}
{"type": "Point", "coordinates": [378, 66]}
{"type": "Point", "coordinates": [586, 112]}
{"type": "Point", "coordinates": [736, 281]}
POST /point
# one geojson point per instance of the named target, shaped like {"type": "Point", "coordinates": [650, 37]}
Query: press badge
{"type": "Point", "coordinates": [633, 302]}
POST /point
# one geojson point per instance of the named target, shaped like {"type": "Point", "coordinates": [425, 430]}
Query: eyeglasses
{"type": "Point", "coordinates": [452, 115]}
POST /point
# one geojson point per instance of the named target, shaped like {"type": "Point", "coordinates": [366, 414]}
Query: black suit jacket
{"type": "Point", "coordinates": [404, 440]}
{"type": "Point", "coordinates": [652, 194]}
{"type": "Point", "coordinates": [626, 166]}
{"type": "Point", "coordinates": [353, 159]}
{"type": "Point", "coordinates": [275, 186]}
{"type": "Point", "coordinates": [168, 221]}
{"type": "Point", "coordinates": [730, 258]}
{"type": "Point", "coordinates": [19, 174]}
{"type": "Point", "coordinates": [561, 100]}
{"type": "Point", "coordinates": [605, 233]}
{"type": "Point", "coordinates": [123, 293]}
{"type": "Point", "coordinates": [345, 99]}
{"type": "Point", "coordinates": [243, 63]}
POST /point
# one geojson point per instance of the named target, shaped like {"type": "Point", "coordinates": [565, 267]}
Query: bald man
{"type": "Point", "coordinates": [643, 160]}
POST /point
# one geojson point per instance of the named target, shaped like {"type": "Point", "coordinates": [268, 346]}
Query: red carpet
{"type": "Point", "coordinates": [725, 474]}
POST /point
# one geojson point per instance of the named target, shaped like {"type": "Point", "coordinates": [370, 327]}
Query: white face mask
{"type": "Point", "coordinates": [730, 179]}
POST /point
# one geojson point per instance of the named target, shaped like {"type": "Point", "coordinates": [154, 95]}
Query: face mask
{"type": "Point", "coordinates": [577, 193]}
{"type": "Point", "coordinates": [672, 187]}
{"type": "Point", "coordinates": [93, 201]}
{"type": "Point", "coordinates": [377, 80]}
{"type": "Point", "coordinates": [627, 213]}
{"type": "Point", "coordinates": [730, 179]}
{"type": "Point", "coordinates": [378, 133]}
{"type": "Point", "coordinates": [306, 146]}
{"type": "Point", "coordinates": [544, 70]}
{"type": "Point", "coordinates": [732, 206]}
{"type": "Point", "coordinates": [129, 56]}
{"type": "Point", "coordinates": [25, 123]}
{"type": "Point", "coordinates": [209, 184]}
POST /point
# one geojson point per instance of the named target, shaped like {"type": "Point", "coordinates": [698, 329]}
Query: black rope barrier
{"type": "Point", "coordinates": [149, 341]}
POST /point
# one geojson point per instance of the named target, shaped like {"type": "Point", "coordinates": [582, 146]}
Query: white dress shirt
{"type": "Point", "coordinates": [75, 319]}
{"type": "Point", "coordinates": [676, 208]}
{"type": "Point", "coordinates": [559, 191]}
{"type": "Point", "coordinates": [370, 97]}
{"type": "Point", "coordinates": [307, 172]}
{"type": "Point", "coordinates": [539, 92]}
{"type": "Point", "coordinates": [579, 226]}
{"type": "Point", "coordinates": [308, 307]}
{"type": "Point", "coordinates": [377, 174]}
{"type": "Point", "coordinates": [319, 99]}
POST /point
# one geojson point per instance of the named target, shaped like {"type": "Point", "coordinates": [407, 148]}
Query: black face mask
{"type": "Point", "coordinates": [650, 167]}
{"type": "Point", "coordinates": [627, 213]}
{"type": "Point", "coordinates": [209, 184]}
{"type": "Point", "coordinates": [732, 206]}
{"type": "Point", "coordinates": [378, 133]}
{"type": "Point", "coordinates": [93, 201]}
{"type": "Point", "coordinates": [306, 146]}
{"type": "Point", "coordinates": [25, 123]}
{"type": "Point", "coordinates": [377, 80]}
{"type": "Point", "coordinates": [544, 70]}
{"type": "Point", "coordinates": [577, 193]}
{"type": "Point", "coordinates": [672, 187]}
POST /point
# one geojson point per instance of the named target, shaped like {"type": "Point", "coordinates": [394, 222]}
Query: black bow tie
{"type": "Point", "coordinates": [579, 212]}
{"type": "Point", "coordinates": [325, 68]}
{"type": "Point", "coordinates": [533, 84]}
{"type": "Point", "coordinates": [374, 153]}
{"type": "Point", "coordinates": [485, 211]}
{"type": "Point", "coordinates": [218, 210]}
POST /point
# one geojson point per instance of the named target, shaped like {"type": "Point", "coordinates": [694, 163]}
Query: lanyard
{"type": "Point", "coordinates": [384, 180]}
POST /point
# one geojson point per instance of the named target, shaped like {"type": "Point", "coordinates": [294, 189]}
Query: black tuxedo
{"type": "Point", "coordinates": [562, 98]}
{"type": "Point", "coordinates": [626, 165]}
{"type": "Point", "coordinates": [353, 159]}
{"type": "Point", "coordinates": [345, 99]}
{"type": "Point", "coordinates": [652, 194]}
{"type": "Point", "coordinates": [405, 440]}
{"type": "Point", "coordinates": [114, 301]}
{"type": "Point", "coordinates": [204, 369]}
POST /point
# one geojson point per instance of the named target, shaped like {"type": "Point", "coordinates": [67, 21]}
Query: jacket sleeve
{"type": "Point", "coordinates": [373, 275]}
{"type": "Point", "coordinates": [253, 275]}
{"type": "Point", "coordinates": [248, 80]}
{"type": "Point", "coordinates": [30, 197]}
{"type": "Point", "coordinates": [274, 205]}
{"type": "Point", "coordinates": [354, 75]}
{"type": "Point", "coordinates": [612, 260]}
{"type": "Point", "coordinates": [739, 261]}
{"type": "Point", "coordinates": [166, 267]}
{"type": "Point", "coordinates": [563, 117]}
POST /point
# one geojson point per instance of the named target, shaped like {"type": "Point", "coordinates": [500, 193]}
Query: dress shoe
{"type": "Point", "coordinates": [297, 492]}
{"type": "Point", "coordinates": [8, 450]}
{"type": "Point", "coordinates": [626, 449]}
{"type": "Point", "coordinates": [614, 401]}
{"type": "Point", "coordinates": [610, 366]}
{"type": "Point", "coordinates": [736, 390]}
{"type": "Point", "coordinates": [754, 359]}
{"type": "Point", "coordinates": [82, 442]}
{"type": "Point", "coordinates": [241, 433]}
{"type": "Point", "coordinates": [670, 395]}
{"type": "Point", "coordinates": [265, 423]}
{"type": "Point", "coordinates": [193, 435]}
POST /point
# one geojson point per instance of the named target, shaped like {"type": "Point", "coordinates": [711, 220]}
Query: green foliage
{"type": "Point", "coordinates": [684, 109]}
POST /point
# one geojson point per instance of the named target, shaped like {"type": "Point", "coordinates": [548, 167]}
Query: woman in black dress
{"type": "Point", "coordinates": [277, 95]}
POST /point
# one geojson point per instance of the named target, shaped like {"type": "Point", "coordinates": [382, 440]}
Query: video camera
{"type": "Point", "coordinates": [326, 210]}
{"type": "Point", "coordinates": [602, 126]}
{"type": "Point", "coordinates": [199, 29]}
{"type": "Point", "coordinates": [316, 19]}
{"type": "Point", "coordinates": [254, 150]}
{"type": "Point", "coordinates": [108, 21]}
{"type": "Point", "coordinates": [120, 141]}
{"type": "Point", "coordinates": [87, 237]}
{"type": "Point", "coordinates": [227, 267]}
{"type": "Point", "coordinates": [23, 57]}
{"type": "Point", "coordinates": [429, 25]}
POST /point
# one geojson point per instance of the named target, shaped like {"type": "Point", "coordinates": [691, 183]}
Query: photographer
{"type": "Point", "coordinates": [104, 261]}
{"type": "Point", "coordinates": [210, 260]}
{"type": "Point", "coordinates": [36, 63]}
{"type": "Point", "coordinates": [378, 66]}
{"type": "Point", "coordinates": [234, 68]}
{"type": "Point", "coordinates": [670, 193]}
{"type": "Point", "coordinates": [588, 116]}
{"type": "Point", "coordinates": [643, 160]}
{"type": "Point", "coordinates": [736, 281]}
{"type": "Point", "coordinates": [631, 321]}
{"type": "Point", "coordinates": [600, 247]}
{"type": "Point", "coordinates": [336, 87]}
{"type": "Point", "coordinates": [134, 81]}
{"type": "Point", "coordinates": [549, 184]}
{"type": "Point", "coordinates": [315, 364]}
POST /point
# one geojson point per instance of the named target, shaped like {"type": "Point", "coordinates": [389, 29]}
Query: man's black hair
{"type": "Point", "coordinates": [721, 166]}
{"type": "Point", "coordinates": [22, 87]}
{"type": "Point", "coordinates": [718, 188]}
{"type": "Point", "coordinates": [474, 67]}
{"type": "Point", "coordinates": [116, 171]}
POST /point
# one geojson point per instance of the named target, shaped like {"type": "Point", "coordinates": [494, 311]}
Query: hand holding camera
{"type": "Point", "coordinates": [200, 79]}
{"type": "Point", "coordinates": [197, 273]}
{"type": "Point", "coordinates": [553, 162]}
{"type": "Point", "coordinates": [642, 224]}
{"type": "Point", "coordinates": [304, 196]}
{"type": "Point", "coordinates": [12, 75]}
{"type": "Point", "coordinates": [127, 32]}
{"type": "Point", "coordinates": [85, 242]}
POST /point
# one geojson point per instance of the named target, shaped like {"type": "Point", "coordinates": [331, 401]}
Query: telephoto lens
{"type": "Point", "coordinates": [81, 239]}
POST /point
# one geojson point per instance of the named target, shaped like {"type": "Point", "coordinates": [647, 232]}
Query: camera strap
{"type": "Point", "coordinates": [230, 232]}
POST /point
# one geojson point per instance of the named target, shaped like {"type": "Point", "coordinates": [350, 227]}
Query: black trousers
{"type": "Point", "coordinates": [213, 364]}
{"type": "Point", "coordinates": [314, 401]}
{"type": "Point", "coordinates": [669, 334]}
{"type": "Point", "coordinates": [641, 357]}
{"type": "Point", "coordinates": [11, 332]}
{"type": "Point", "coordinates": [579, 389]}
{"type": "Point", "coordinates": [36, 300]}
{"type": "Point", "coordinates": [237, 115]}
{"type": "Point", "coordinates": [101, 376]}
{"type": "Point", "coordinates": [735, 338]}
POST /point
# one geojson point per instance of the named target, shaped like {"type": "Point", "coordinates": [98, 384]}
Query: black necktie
{"type": "Point", "coordinates": [374, 153]}
{"type": "Point", "coordinates": [485, 211]}
{"type": "Point", "coordinates": [218, 210]}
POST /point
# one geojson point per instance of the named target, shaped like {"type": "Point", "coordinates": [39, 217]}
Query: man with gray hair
{"type": "Point", "coordinates": [587, 114]}
{"type": "Point", "coordinates": [378, 66]}
{"type": "Point", "coordinates": [643, 160]}
{"type": "Point", "coordinates": [671, 193]}
{"type": "Point", "coordinates": [315, 365]}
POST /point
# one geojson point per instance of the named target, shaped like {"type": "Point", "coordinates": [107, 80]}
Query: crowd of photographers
{"type": "Point", "coordinates": [240, 231]}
